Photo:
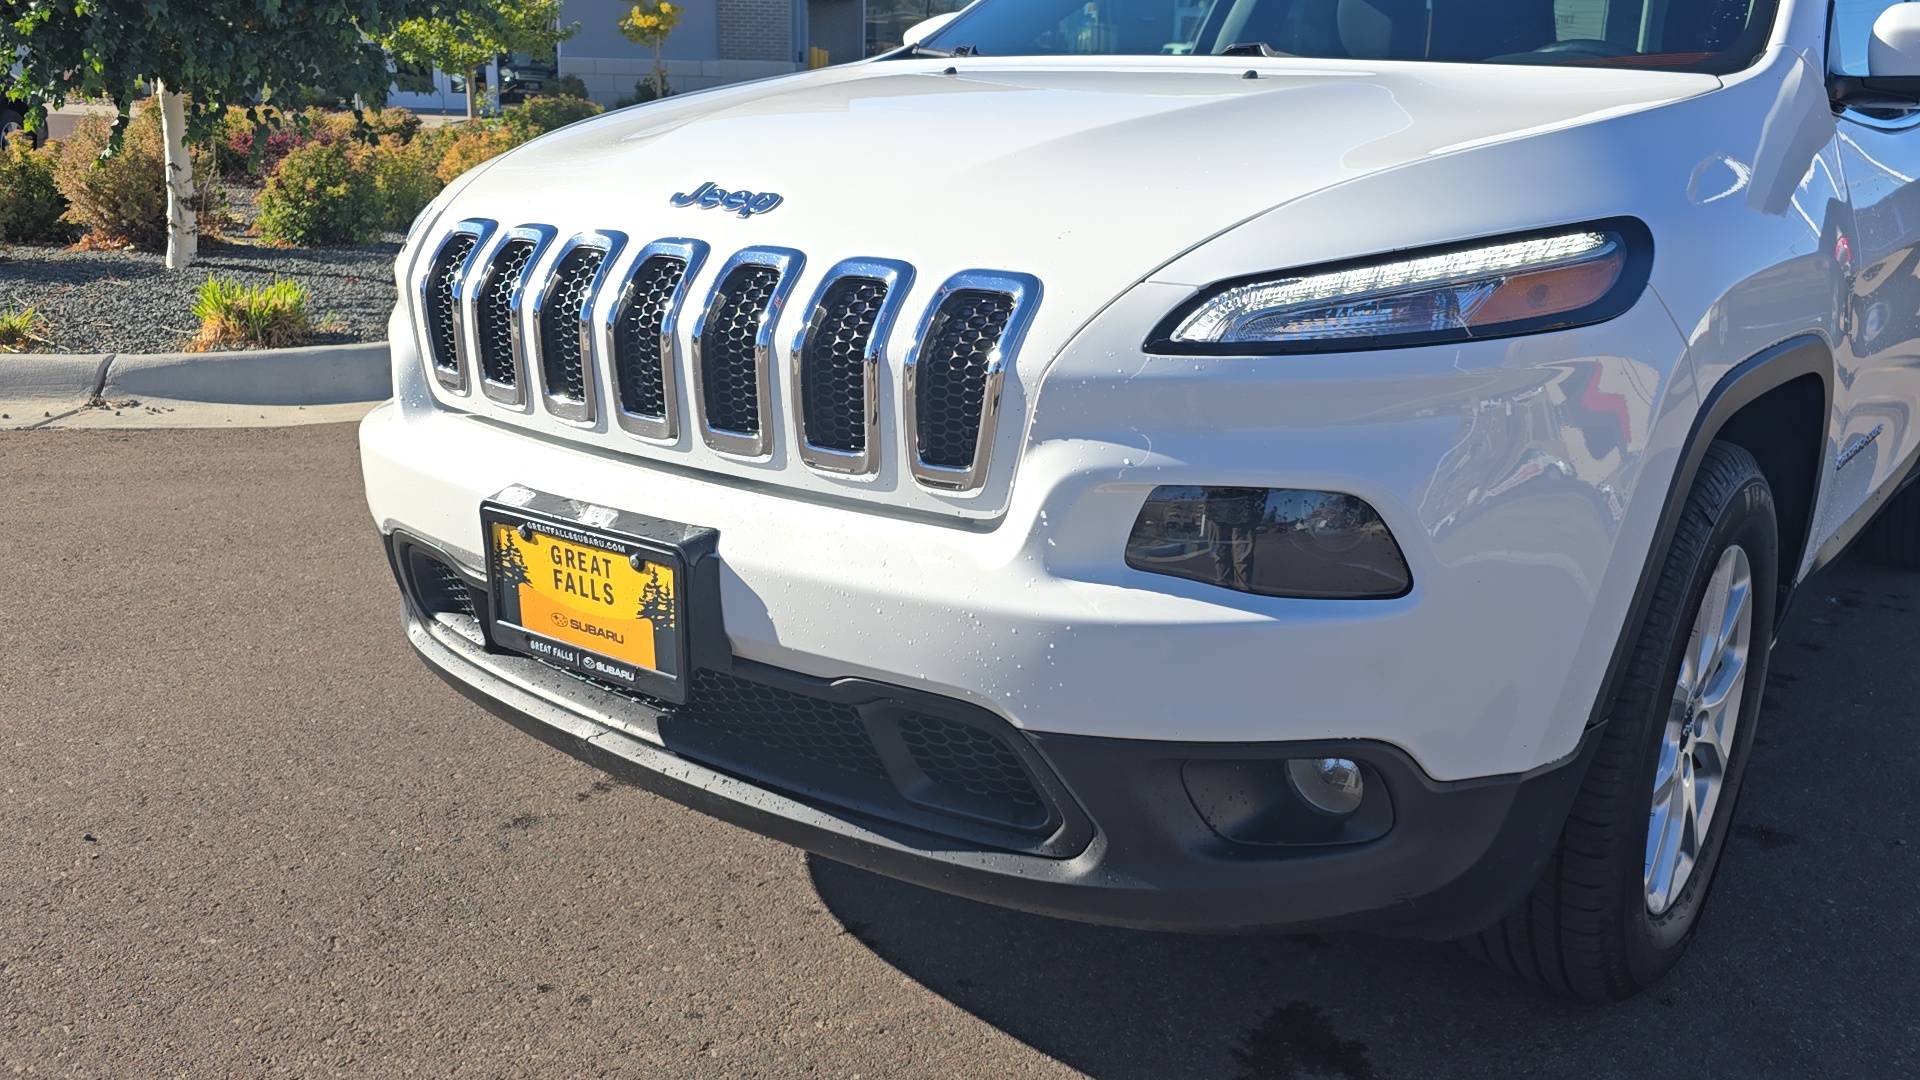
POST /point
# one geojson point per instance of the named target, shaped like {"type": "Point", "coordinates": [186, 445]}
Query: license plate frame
{"type": "Point", "coordinates": [634, 546]}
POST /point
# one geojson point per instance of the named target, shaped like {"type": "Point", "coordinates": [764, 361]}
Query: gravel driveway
{"type": "Point", "coordinates": [126, 301]}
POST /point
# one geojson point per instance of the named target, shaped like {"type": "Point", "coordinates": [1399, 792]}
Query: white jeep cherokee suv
{"type": "Point", "coordinates": [1259, 464]}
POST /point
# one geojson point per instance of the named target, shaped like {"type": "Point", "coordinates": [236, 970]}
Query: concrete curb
{"type": "Point", "coordinates": [38, 375]}
{"type": "Point", "coordinates": [312, 375]}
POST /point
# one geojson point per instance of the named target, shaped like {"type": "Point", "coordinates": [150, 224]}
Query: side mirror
{"type": "Point", "coordinates": [1893, 52]}
{"type": "Point", "coordinates": [926, 28]}
{"type": "Point", "coordinates": [1893, 64]}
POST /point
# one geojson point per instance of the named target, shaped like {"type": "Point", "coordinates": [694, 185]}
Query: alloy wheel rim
{"type": "Point", "coordinates": [1697, 744]}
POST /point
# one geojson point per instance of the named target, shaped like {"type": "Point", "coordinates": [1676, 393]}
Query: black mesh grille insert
{"type": "Point", "coordinates": [950, 389]}
{"type": "Point", "coordinates": [562, 359]}
{"type": "Point", "coordinates": [440, 282]}
{"type": "Point", "coordinates": [826, 732]}
{"type": "Point", "coordinates": [833, 380]}
{"type": "Point", "coordinates": [957, 755]}
{"type": "Point", "coordinates": [728, 376]}
{"type": "Point", "coordinates": [822, 731]}
{"type": "Point", "coordinates": [441, 591]}
{"type": "Point", "coordinates": [495, 314]}
{"type": "Point", "coordinates": [639, 355]}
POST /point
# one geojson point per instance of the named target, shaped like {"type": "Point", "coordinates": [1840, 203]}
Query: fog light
{"type": "Point", "coordinates": [1331, 785]}
{"type": "Point", "coordinates": [1270, 541]}
{"type": "Point", "coordinates": [1289, 802]}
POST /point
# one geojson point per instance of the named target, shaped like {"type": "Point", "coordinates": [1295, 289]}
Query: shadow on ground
{"type": "Point", "coordinates": [1805, 965]}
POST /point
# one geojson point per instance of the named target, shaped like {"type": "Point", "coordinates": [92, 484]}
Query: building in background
{"type": "Point", "coordinates": [717, 42]}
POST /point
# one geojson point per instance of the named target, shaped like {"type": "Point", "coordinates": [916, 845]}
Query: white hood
{"type": "Point", "coordinates": [1088, 172]}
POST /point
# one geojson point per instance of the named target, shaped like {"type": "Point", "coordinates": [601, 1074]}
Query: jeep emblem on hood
{"type": "Point", "coordinates": [746, 203]}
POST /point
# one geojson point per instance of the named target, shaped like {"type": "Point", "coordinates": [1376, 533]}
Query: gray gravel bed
{"type": "Point", "coordinates": [127, 301]}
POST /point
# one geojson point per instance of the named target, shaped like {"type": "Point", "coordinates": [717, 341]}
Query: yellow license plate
{"type": "Point", "coordinates": [587, 600]}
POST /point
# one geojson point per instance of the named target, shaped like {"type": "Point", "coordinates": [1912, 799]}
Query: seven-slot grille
{"type": "Point", "coordinates": [563, 353]}
{"type": "Point", "coordinates": [494, 310]}
{"type": "Point", "coordinates": [641, 351]}
{"type": "Point", "coordinates": [952, 383]}
{"type": "Point", "coordinates": [833, 365]}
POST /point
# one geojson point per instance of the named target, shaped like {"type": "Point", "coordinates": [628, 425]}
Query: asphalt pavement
{"type": "Point", "coordinates": [244, 833]}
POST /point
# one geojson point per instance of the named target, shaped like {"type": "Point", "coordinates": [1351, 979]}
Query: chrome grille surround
{"type": "Point", "coordinates": [1022, 291]}
{"type": "Point", "coordinates": [950, 377]}
{"type": "Point", "coordinates": [661, 326]}
{"type": "Point", "coordinates": [895, 280]}
{"type": "Point", "coordinates": [785, 264]}
{"type": "Point", "coordinates": [495, 303]}
{"type": "Point", "coordinates": [563, 318]}
{"type": "Point", "coordinates": [443, 292]}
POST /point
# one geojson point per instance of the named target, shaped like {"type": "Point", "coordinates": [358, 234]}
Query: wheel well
{"type": "Point", "coordinates": [1785, 431]}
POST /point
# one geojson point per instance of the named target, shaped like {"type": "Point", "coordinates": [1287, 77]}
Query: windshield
{"type": "Point", "coordinates": [1716, 36]}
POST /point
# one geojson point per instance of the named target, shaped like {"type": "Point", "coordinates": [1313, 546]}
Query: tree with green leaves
{"type": "Point", "coordinates": [200, 56]}
{"type": "Point", "coordinates": [470, 40]}
{"type": "Point", "coordinates": [649, 23]}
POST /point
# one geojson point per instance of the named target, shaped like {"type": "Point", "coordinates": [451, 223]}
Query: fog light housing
{"type": "Point", "coordinates": [1319, 545]}
{"type": "Point", "coordinates": [1281, 802]}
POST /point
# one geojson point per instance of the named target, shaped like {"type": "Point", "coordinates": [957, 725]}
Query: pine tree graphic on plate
{"type": "Point", "coordinates": [509, 567]}
{"type": "Point", "coordinates": [656, 602]}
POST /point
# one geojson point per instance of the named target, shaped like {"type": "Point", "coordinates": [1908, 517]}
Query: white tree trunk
{"type": "Point", "coordinates": [183, 220]}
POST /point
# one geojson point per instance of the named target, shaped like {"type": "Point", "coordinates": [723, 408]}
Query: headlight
{"type": "Point", "coordinates": [1523, 284]}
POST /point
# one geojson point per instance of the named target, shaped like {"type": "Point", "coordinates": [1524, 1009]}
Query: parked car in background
{"type": "Point", "coordinates": [13, 119]}
{"type": "Point", "coordinates": [1319, 463]}
{"type": "Point", "coordinates": [521, 76]}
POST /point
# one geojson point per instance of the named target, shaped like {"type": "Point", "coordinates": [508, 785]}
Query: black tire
{"type": "Point", "coordinates": [13, 124]}
{"type": "Point", "coordinates": [1893, 537]}
{"type": "Point", "coordinates": [1586, 928]}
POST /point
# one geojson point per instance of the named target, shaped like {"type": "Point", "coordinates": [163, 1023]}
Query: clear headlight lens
{"type": "Point", "coordinates": [1519, 285]}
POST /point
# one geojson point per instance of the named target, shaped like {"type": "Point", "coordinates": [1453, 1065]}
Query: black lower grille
{"type": "Point", "coordinates": [439, 590]}
{"type": "Point", "coordinates": [833, 371]}
{"type": "Point", "coordinates": [861, 748]}
{"type": "Point", "coordinates": [729, 349]}
{"type": "Point", "coordinates": [562, 351]}
{"type": "Point", "coordinates": [448, 265]}
{"type": "Point", "coordinates": [821, 731]}
{"type": "Point", "coordinates": [962, 756]}
{"type": "Point", "coordinates": [952, 376]}
{"type": "Point", "coordinates": [495, 311]}
{"type": "Point", "coordinates": [639, 344]}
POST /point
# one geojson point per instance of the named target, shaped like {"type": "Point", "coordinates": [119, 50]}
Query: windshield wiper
{"type": "Point", "coordinates": [1253, 48]}
{"type": "Point", "coordinates": [918, 50]}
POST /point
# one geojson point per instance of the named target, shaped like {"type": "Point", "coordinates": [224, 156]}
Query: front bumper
{"type": "Point", "coordinates": [1123, 845]}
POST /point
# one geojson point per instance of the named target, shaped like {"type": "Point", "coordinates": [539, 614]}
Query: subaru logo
{"type": "Point", "coordinates": [745, 203]}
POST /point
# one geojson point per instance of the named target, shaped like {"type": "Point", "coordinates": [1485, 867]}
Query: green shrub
{"type": "Point", "coordinates": [475, 144]}
{"type": "Point", "coordinates": [405, 178]}
{"type": "Point", "coordinates": [538, 115]}
{"type": "Point", "coordinates": [569, 86]}
{"type": "Point", "coordinates": [236, 316]}
{"type": "Point", "coordinates": [31, 206]}
{"type": "Point", "coordinates": [318, 197]}
{"type": "Point", "coordinates": [316, 125]}
{"type": "Point", "coordinates": [392, 125]}
{"type": "Point", "coordinates": [643, 92]}
{"type": "Point", "coordinates": [21, 330]}
{"type": "Point", "coordinates": [122, 199]}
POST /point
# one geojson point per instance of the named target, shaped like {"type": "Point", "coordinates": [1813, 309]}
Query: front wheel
{"type": "Point", "coordinates": [12, 126]}
{"type": "Point", "coordinates": [1621, 896]}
